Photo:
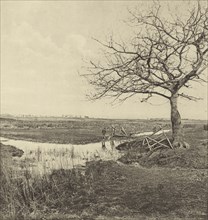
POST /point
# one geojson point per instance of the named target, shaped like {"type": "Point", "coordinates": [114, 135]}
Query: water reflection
{"type": "Point", "coordinates": [44, 157]}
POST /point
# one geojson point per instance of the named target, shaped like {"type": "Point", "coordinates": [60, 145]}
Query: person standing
{"type": "Point", "coordinates": [104, 137]}
{"type": "Point", "coordinates": [113, 130]}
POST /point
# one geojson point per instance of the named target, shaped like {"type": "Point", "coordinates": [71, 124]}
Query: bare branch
{"type": "Point", "coordinates": [191, 98]}
{"type": "Point", "coordinates": [164, 56]}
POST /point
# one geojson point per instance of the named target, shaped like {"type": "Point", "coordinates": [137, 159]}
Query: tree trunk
{"type": "Point", "coordinates": [176, 121]}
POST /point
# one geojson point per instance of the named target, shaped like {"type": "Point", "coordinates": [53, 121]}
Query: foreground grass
{"type": "Point", "coordinates": [105, 189]}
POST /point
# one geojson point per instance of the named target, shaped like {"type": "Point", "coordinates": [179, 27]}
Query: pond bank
{"type": "Point", "coordinates": [10, 151]}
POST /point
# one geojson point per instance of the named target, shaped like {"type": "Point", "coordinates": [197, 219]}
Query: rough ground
{"type": "Point", "coordinates": [115, 190]}
{"type": "Point", "coordinates": [166, 185]}
{"type": "Point", "coordinates": [157, 192]}
{"type": "Point", "coordinates": [195, 157]}
{"type": "Point", "coordinates": [110, 190]}
{"type": "Point", "coordinates": [10, 151]}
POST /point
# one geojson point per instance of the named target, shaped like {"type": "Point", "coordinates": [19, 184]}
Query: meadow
{"type": "Point", "coordinates": [77, 131]}
{"type": "Point", "coordinates": [104, 188]}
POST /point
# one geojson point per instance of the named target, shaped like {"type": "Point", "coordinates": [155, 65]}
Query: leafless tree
{"type": "Point", "coordinates": [161, 59]}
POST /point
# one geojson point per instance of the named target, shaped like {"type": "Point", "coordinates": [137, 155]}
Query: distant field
{"type": "Point", "coordinates": [77, 131]}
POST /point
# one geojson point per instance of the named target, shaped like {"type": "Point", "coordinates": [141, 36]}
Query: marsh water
{"type": "Point", "coordinates": [45, 157]}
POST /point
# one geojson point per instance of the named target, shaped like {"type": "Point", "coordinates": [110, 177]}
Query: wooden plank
{"type": "Point", "coordinates": [156, 148]}
{"type": "Point", "coordinates": [123, 131]}
{"type": "Point", "coordinates": [158, 142]}
{"type": "Point", "coordinates": [168, 140]}
{"type": "Point", "coordinates": [150, 147]}
{"type": "Point", "coordinates": [143, 142]}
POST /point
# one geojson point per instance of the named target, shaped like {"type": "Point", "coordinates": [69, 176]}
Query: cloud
{"type": "Point", "coordinates": [33, 66]}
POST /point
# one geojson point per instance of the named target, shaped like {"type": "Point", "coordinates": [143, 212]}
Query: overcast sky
{"type": "Point", "coordinates": [43, 45]}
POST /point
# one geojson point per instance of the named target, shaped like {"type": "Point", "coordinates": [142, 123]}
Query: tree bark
{"type": "Point", "coordinates": [176, 121]}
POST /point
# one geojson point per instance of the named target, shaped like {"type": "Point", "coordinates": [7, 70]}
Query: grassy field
{"type": "Point", "coordinates": [77, 131]}
{"type": "Point", "coordinates": [107, 190]}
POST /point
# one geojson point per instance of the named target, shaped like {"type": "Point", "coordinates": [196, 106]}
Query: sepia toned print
{"type": "Point", "coordinates": [103, 110]}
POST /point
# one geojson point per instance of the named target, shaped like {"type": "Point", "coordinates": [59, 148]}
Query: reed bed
{"type": "Point", "coordinates": [37, 182]}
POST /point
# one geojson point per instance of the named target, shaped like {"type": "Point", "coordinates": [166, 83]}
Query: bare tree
{"type": "Point", "coordinates": [161, 59]}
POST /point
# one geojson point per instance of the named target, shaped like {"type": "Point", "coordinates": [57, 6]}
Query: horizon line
{"type": "Point", "coordinates": [86, 117]}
